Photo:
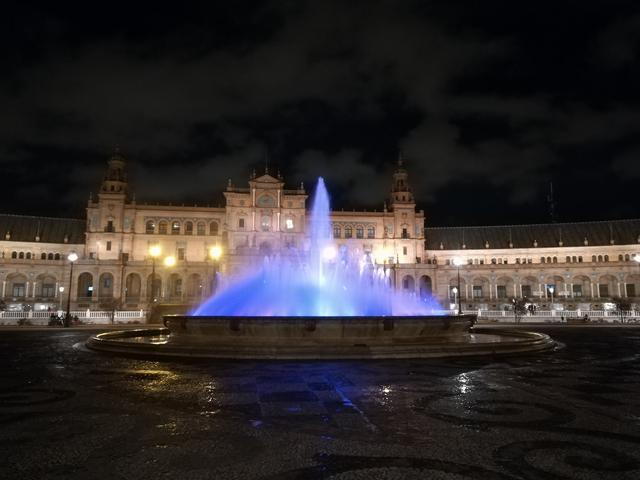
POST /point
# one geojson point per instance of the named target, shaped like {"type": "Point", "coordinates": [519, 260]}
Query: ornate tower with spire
{"type": "Point", "coordinates": [401, 194]}
{"type": "Point", "coordinates": [115, 179]}
{"type": "Point", "coordinates": [407, 223]}
{"type": "Point", "coordinates": [110, 219]}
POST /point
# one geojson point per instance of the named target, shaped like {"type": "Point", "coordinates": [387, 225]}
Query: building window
{"type": "Point", "coordinates": [371, 232]}
{"type": "Point", "coordinates": [606, 258]}
{"type": "Point", "coordinates": [604, 289]}
{"type": "Point", "coordinates": [200, 230]}
{"type": "Point", "coordinates": [405, 233]}
{"type": "Point", "coordinates": [43, 256]}
{"type": "Point", "coordinates": [106, 281]}
{"type": "Point", "coordinates": [620, 258]}
{"type": "Point", "coordinates": [213, 228]}
{"type": "Point", "coordinates": [150, 227]}
{"type": "Point", "coordinates": [348, 232]}
{"type": "Point", "coordinates": [14, 254]}
{"type": "Point", "coordinates": [181, 253]}
{"type": "Point", "coordinates": [175, 228]}
{"type": "Point", "coordinates": [21, 255]}
{"type": "Point", "coordinates": [48, 290]}
{"type": "Point", "coordinates": [188, 228]}
{"type": "Point", "coordinates": [502, 291]}
{"type": "Point", "coordinates": [577, 290]}
{"type": "Point", "coordinates": [289, 223]}
{"type": "Point", "coordinates": [542, 260]}
{"type": "Point", "coordinates": [265, 223]}
{"type": "Point", "coordinates": [593, 258]}
{"type": "Point", "coordinates": [477, 291]}
{"type": "Point", "coordinates": [359, 232]}
{"type": "Point", "coordinates": [109, 245]}
{"type": "Point", "coordinates": [162, 228]}
{"type": "Point", "coordinates": [109, 227]}
{"type": "Point", "coordinates": [56, 256]}
{"type": "Point", "coordinates": [555, 259]}
{"type": "Point", "coordinates": [18, 289]}
{"type": "Point", "coordinates": [631, 290]}
{"type": "Point", "coordinates": [336, 231]}
{"type": "Point", "coordinates": [580, 259]}
{"type": "Point", "coordinates": [627, 258]}
{"type": "Point", "coordinates": [526, 291]}
{"type": "Point", "coordinates": [28, 255]}
{"type": "Point", "coordinates": [404, 250]}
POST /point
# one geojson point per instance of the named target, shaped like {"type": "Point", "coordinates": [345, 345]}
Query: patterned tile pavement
{"type": "Point", "coordinates": [69, 413]}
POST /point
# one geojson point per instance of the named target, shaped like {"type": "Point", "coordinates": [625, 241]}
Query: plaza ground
{"type": "Point", "coordinates": [66, 412]}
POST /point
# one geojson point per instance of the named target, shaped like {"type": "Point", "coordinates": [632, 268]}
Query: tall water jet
{"type": "Point", "coordinates": [321, 281]}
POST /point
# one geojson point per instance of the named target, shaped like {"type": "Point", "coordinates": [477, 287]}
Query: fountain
{"type": "Point", "coordinates": [322, 302]}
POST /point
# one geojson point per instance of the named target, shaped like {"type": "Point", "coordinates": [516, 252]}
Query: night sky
{"type": "Point", "coordinates": [489, 101]}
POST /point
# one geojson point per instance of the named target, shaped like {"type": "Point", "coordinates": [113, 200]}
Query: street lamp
{"type": "Point", "coordinates": [458, 262]}
{"type": "Point", "coordinates": [154, 252]}
{"type": "Point", "coordinates": [72, 257]}
{"type": "Point", "coordinates": [215, 252]}
{"type": "Point", "coordinates": [551, 290]}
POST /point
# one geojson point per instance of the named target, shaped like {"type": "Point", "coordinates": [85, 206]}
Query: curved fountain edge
{"type": "Point", "coordinates": [516, 343]}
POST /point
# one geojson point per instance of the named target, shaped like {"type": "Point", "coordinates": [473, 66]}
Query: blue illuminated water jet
{"type": "Point", "coordinates": [322, 281]}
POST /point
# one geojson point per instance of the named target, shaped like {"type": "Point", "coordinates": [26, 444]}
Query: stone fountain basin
{"type": "Point", "coordinates": [314, 338]}
{"type": "Point", "coordinates": [318, 330]}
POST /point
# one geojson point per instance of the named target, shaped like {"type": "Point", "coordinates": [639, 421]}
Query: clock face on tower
{"type": "Point", "coordinates": [266, 201]}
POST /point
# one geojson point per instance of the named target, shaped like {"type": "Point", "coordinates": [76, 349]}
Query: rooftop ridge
{"type": "Point", "coordinates": [534, 224]}
{"type": "Point", "coordinates": [41, 217]}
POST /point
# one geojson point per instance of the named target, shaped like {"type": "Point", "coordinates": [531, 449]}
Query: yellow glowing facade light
{"type": "Point", "coordinates": [457, 262]}
{"type": "Point", "coordinates": [170, 261]}
{"type": "Point", "coordinates": [215, 252]}
{"type": "Point", "coordinates": [73, 256]}
{"type": "Point", "coordinates": [155, 251]}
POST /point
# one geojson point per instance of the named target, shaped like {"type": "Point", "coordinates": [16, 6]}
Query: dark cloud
{"type": "Point", "coordinates": [491, 99]}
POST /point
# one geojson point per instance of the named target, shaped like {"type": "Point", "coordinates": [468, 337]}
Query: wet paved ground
{"type": "Point", "coordinates": [69, 413]}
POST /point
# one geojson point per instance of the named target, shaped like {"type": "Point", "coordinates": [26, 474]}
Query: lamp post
{"type": "Point", "coordinates": [458, 262]}
{"type": "Point", "coordinates": [154, 252]}
{"type": "Point", "coordinates": [551, 290]}
{"type": "Point", "coordinates": [215, 252]}
{"type": "Point", "coordinates": [72, 257]}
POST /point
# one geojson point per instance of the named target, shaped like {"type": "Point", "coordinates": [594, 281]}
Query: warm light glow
{"type": "Point", "coordinates": [215, 252]}
{"type": "Point", "coordinates": [552, 289]}
{"type": "Point", "coordinates": [61, 289]}
{"type": "Point", "coordinates": [329, 253]}
{"type": "Point", "coordinates": [73, 256]}
{"type": "Point", "coordinates": [170, 261]}
{"type": "Point", "coordinates": [457, 261]}
{"type": "Point", "coordinates": [155, 251]}
{"type": "Point", "coordinates": [289, 224]}
{"type": "Point", "coordinates": [636, 258]}
{"type": "Point", "coordinates": [454, 290]}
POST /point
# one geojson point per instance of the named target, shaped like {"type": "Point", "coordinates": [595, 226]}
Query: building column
{"type": "Point", "coordinates": [520, 285]}
{"type": "Point", "coordinates": [466, 290]}
{"type": "Point", "coordinates": [490, 291]}
{"type": "Point", "coordinates": [598, 289]}
{"type": "Point", "coordinates": [624, 289]}
{"type": "Point", "coordinates": [571, 289]}
{"type": "Point", "coordinates": [592, 292]}
{"type": "Point", "coordinates": [619, 292]}
{"type": "Point", "coordinates": [4, 288]}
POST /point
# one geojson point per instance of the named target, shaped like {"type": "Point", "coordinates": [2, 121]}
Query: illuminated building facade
{"type": "Point", "coordinates": [572, 265]}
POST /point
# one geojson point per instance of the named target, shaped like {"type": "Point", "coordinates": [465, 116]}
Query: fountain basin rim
{"type": "Point", "coordinates": [514, 342]}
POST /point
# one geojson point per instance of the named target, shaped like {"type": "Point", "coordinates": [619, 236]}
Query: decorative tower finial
{"type": "Point", "coordinates": [400, 159]}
